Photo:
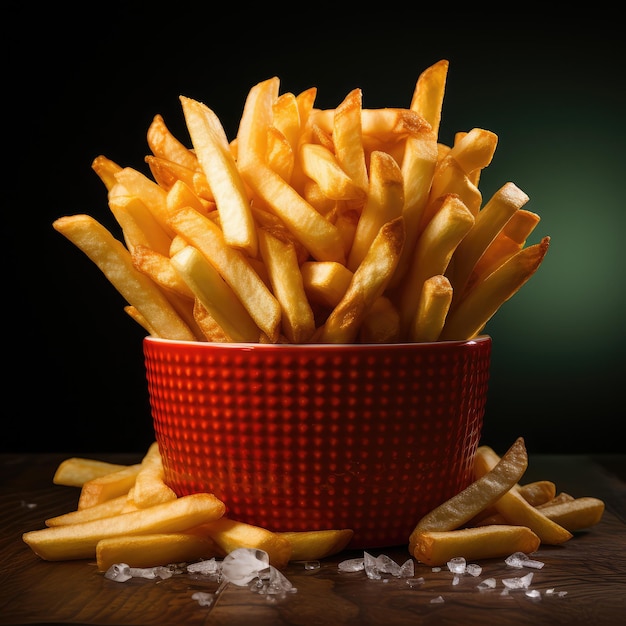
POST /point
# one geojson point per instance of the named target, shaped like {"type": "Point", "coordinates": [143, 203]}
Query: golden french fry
{"type": "Point", "coordinates": [257, 117]}
{"type": "Point", "coordinates": [557, 499]}
{"type": "Point", "coordinates": [75, 471]}
{"type": "Point", "coordinates": [216, 296]}
{"type": "Point", "coordinates": [108, 486]}
{"type": "Point", "coordinates": [483, 542]}
{"type": "Point", "coordinates": [320, 164]}
{"type": "Point", "coordinates": [488, 488]}
{"type": "Point", "coordinates": [182, 195]}
{"type": "Point", "coordinates": [139, 226]}
{"type": "Point", "coordinates": [489, 222]}
{"type": "Point", "coordinates": [536, 493]}
{"type": "Point", "coordinates": [280, 156]}
{"type": "Point", "coordinates": [106, 170]}
{"type": "Point", "coordinates": [107, 508]}
{"type": "Point", "coordinates": [418, 168]}
{"type": "Point", "coordinates": [136, 316]}
{"type": "Point", "coordinates": [114, 260]}
{"type": "Point", "coordinates": [78, 541]}
{"type": "Point", "coordinates": [368, 283]}
{"type": "Point", "coordinates": [211, 330]}
{"type": "Point", "coordinates": [159, 267]}
{"type": "Point", "coordinates": [477, 307]}
{"type": "Point", "coordinates": [317, 544]}
{"type": "Point", "coordinates": [220, 169]}
{"type": "Point", "coordinates": [233, 267]}
{"type": "Point", "coordinates": [385, 201]}
{"type": "Point", "coordinates": [429, 91]}
{"type": "Point", "coordinates": [230, 534]}
{"type": "Point", "coordinates": [154, 550]}
{"type": "Point", "coordinates": [149, 487]}
{"type": "Point", "coordinates": [575, 514]}
{"type": "Point", "coordinates": [286, 119]}
{"type": "Point", "coordinates": [348, 139]}
{"type": "Point", "coordinates": [474, 150]}
{"type": "Point", "coordinates": [381, 324]}
{"type": "Point", "coordinates": [153, 196]}
{"type": "Point", "coordinates": [432, 254]}
{"type": "Point", "coordinates": [164, 145]}
{"type": "Point", "coordinates": [325, 282]}
{"type": "Point", "coordinates": [514, 508]}
{"type": "Point", "coordinates": [432, 308]}
{"type": "Point", "coordinates": [281, 260]}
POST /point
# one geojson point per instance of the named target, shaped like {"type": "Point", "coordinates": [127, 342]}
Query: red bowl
{"type": "Point", "coordinates": [309, 437]}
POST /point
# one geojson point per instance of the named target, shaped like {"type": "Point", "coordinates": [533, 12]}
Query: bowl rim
{"type": "Point", "coordinates": [479, 339]}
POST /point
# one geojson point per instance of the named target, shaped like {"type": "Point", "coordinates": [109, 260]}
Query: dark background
{"type": "Point", "coordinates": [86, 82]}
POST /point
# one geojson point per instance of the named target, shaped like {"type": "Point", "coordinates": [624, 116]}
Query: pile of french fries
{"type": "Point", "coordinates": [128, 514]}
{"type": "Point", "coordinates": [345, 225]}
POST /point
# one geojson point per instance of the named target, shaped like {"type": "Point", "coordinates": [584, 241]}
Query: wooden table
{"type": "Point", "coordinates": [590, 568]}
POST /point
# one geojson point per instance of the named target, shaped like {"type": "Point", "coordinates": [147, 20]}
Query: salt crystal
{"type": "Point", "coordinates": [533, 593]}
{"type": "Point", "coordinates": [488, 583]}
{"type": "Point", "coordinates": [435, 569]}
{"type": "Point", "coordinates": [408, 569]}
{"type": "Point", "coordinates": [119, 572]}
{"type": "Point", "coordinates": [457, 565]}
{"type": "Point", "coordinates": [203, 598]}
{"type": "Point", "coordinates": [243, 565]}
{"type": "Point", "coordinates": [474, 570]}
{"type": "Point", "coordinates": [28, 505]}
{"type": "Point", "coordinates": [352, 565]}
{"type": "Point", "coordinates": [310, 565]}
{"type": "Point", "coordinates": [455, 580]}
{"type": "Point", "coordinates": [415, 582]}
{"type": "Point", "coordinates": [206, 567]}
{"type": "Point", "coordinates": [271, 581]}
{"type": "Point", "coordinates": [437, 600]}
{"type": "Point", "coordinates": [519, 560]}
{"type": "Point", "coordinates": [522, 582]}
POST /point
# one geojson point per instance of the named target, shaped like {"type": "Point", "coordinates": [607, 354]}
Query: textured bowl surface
{"type": "Point", "coordinates": [320, 436]}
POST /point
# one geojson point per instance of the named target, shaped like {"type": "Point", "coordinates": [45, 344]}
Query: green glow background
{"type": "Point", "coordinates": [554, 95]}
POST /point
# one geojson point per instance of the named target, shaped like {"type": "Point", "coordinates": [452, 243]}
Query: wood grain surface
{"type": "Point", "coordinates": [582, 582]}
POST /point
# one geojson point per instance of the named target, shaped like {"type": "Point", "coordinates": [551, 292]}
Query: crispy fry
{"type": "Point", "coordinates": [233, 267]}
{"type": "Point", "coordinates": [484, 542]}
{"type": "Point", "coordinates": [149, 487]}
{"type": "Point", "coordinates": [230, 534]}
{"type": "Point", "coordinates": [477, 307]}
{"type": "Point", "coordinates": [75, 471]}
{"type": "Point", "coordinates": [575, 514]}
{"type": "Point", "coordinates": [325, 282]}
{"type": "Point", "coordinates": [154, 549]}
{"type": "Point", "coordinates": [385, 201]}
{"type": "Point", "coordinates": [317, 544]}
{"type": "Point", "coordinates": [432, 308]}
{"type": "Point", "coordinates": [367, 284]}
{"type": "Point", "coordinates": [115, 262]}
{"type": "Point", "coordinates": [429, 91]}
{"type": "Point", "coordinates": [488, 488]}
{"type": "Point", "coordinates": [216, 296]}
{"type": "Point", "coordinates": [432, 254]}
{"type": "Point", "coordinates": [219, 167]}
{"type": "Point", "coordinates": [78, 541]}
{"type": "Point", "coordinates": [381, 323]}
{"type": "Point", "coordinates": [298, 323]}
{"type": "Point", "coordinates": [109, 486]}
{"type": "Point", "coordinates": [514, 508]}
{"type": "Point", "coordinates": [107, 508]}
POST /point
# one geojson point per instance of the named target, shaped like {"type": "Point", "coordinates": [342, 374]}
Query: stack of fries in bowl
{"type": "Point", "coordinates": [315, 292]}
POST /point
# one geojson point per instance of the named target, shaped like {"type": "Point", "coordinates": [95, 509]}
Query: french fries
{"type": "Point", "coordinates": [79, 541]}
{"type": "Point", "coordinates": [76, 471]}
{"type": "Point", "coordinates": [481, 542]}
{"type": "Point", "coordinates": [171, 530]}
{"type": "Point", "coordinates": [297, 191]}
